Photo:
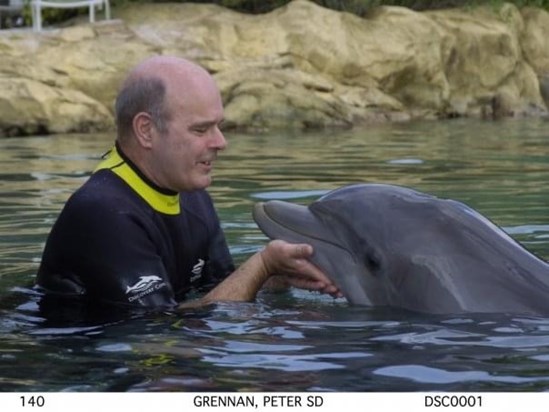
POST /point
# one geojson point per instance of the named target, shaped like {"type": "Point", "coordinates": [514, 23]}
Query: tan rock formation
{"type": "Point", "coordinates": [64, 80]}
{"type": "Point", "coordinates": [299, 66]}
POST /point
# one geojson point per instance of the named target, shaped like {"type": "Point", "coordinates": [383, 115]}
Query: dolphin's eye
{"type": "Point", "coordinates": [372, 263]}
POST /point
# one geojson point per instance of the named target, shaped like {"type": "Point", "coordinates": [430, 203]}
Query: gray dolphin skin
{"type": "Point", "coordinates": [385, 245]}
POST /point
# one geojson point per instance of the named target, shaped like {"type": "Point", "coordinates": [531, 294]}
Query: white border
{"type": "Point", "coordinates": [259, 401]}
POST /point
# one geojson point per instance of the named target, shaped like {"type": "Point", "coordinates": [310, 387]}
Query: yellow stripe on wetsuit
{"type": "Point", "coordinates": [161, 202]}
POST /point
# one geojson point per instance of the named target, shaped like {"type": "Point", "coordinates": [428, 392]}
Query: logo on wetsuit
{"type": "Point", "coordinates": [197, 270]}
{"type": "Point", "coordinates": [144, 286]}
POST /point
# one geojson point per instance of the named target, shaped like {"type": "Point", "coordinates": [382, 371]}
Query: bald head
{"type": "Point", "coordinates": [147, 87]}
{"type": "Point", "coordinates": [167, 67]}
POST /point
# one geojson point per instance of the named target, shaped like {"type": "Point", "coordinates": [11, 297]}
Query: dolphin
{"type": "Point", "coordinates": [386, 245]}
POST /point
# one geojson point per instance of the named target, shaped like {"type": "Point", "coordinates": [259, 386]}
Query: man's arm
{"type": "Point", "coordinates": [278, 258]}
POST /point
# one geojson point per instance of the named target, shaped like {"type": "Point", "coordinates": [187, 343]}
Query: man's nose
{"type": "Point", "coordinates": [218, 139]}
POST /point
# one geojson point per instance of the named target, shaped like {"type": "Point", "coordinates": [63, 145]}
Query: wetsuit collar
{"type": "Point", "coordinates": [161, 200]}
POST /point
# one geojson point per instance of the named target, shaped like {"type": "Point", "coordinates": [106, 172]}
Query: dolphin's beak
{"type": "Point", "coordinates": [297, 224]}
{"type": "Point", "coordinates": [279, 219]}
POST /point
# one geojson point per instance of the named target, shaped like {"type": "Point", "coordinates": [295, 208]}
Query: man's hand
{"type": "Point", "coordinates": [292, 261]}
{"type": "Point", "coordinates": [278, 260]}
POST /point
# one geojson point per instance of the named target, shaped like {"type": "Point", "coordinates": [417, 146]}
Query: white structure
{"type": "Point", "coordinates": [10, 7]}
{"type": "Point", "coordinates": [38, 5]}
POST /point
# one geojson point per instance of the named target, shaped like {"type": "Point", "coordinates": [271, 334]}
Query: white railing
{"type": "Point", "coordinates": [38, 5]}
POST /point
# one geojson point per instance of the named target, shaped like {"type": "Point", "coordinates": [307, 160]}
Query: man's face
{"type": "Point", "coordinates": [183, 157]}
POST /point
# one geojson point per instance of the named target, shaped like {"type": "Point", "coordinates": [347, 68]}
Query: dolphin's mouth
{"type": "Point", "coordinates": [297, 224]}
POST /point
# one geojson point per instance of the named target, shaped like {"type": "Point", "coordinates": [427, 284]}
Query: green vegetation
{"type": "Point", "coordinates": [360, 7]}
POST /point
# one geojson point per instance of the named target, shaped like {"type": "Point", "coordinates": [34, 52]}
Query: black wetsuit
{"type": "Point", "coordinates": [122, 240]}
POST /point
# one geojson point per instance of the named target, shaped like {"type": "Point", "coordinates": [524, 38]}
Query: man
{"type": "Point", "coordinates": [142, 231]}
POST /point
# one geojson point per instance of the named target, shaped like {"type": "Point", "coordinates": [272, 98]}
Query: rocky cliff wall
{"type": "Point", "coordinates": [299, 66]}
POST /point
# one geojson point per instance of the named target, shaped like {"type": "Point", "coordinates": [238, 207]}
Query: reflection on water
{"type": "Point", "coordinates": [290, 341]}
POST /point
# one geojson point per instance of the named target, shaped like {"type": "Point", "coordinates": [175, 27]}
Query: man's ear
{"type": "Point", "coordinates": [143, 129]}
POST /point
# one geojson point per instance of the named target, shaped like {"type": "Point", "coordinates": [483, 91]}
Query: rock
{"type": "Point", "coordinates": [483, 62]}
{"type": "Point", "coordinates": [544, 88]}
{"type": "Point", "coordinates": [64, 80]}
{"type": "Point", "coordinates": [535, 45]}
{"type": "Point", "coordinates": [535, 39]}
{"type": "Point", "coordinates": [266, 98]}
{"type": "Point", "coordinates": [47, 109]}
{"type": "Point", "coordinates": [300, 66]}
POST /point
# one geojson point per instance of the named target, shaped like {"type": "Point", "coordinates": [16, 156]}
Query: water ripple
{"type": "Point", "coordinates": [425, 374]}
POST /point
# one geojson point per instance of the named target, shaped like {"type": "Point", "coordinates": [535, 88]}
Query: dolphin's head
{"type": "Point", "coordinates": [387, 245]}
{"type": "Point", "coordinates": [358, 233]}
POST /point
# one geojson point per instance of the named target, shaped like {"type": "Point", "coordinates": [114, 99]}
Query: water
{"type": "Point", "coordinates": [295, 341]}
